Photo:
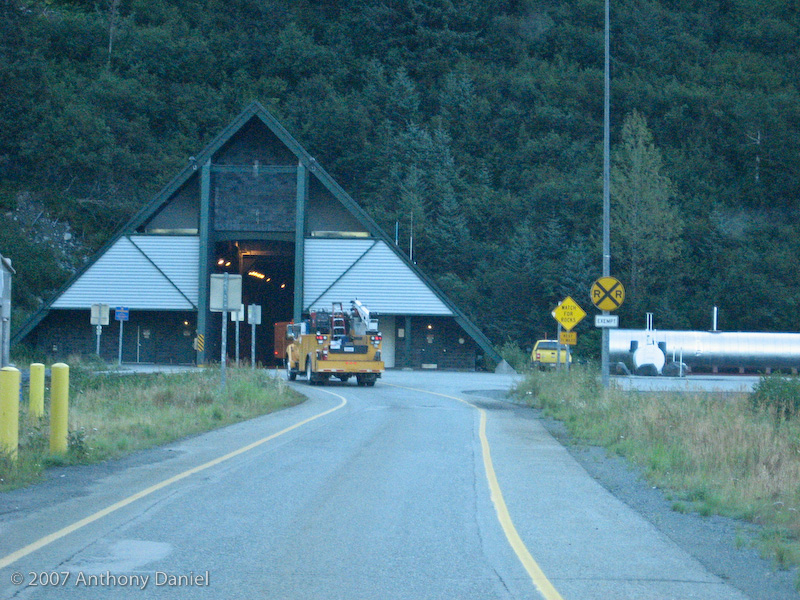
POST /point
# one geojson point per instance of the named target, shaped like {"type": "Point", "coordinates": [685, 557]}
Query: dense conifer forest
{"type": "Point", "coordinates": [479, 120]}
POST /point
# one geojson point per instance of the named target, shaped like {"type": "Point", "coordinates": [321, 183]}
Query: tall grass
{"type": "Point", "coordinates": [515, 356]}
{"type": "Point", "coordinates": [112, 415]}
{"type": "Point", "coordinates": [715, 453]}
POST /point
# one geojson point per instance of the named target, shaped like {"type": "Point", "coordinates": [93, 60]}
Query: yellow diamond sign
{"type": "Point", "coordinates": [568, 313]}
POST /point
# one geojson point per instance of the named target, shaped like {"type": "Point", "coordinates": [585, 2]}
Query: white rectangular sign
{"type": "Point", "coordinates": [234, 293]}
{"type": "Point", "coordinates": [99, 314]}
{"type": "Point", "coordinates": [254, 314]}
{"type": "Point", "coordinates": [606, 321]}
{"type": "Point", "coordinates": [238, 315]}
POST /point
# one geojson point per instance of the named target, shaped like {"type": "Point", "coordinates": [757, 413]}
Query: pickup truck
{"type": "Point", "coordinates": [545, 354]}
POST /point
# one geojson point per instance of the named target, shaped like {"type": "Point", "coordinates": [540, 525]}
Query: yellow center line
{"type": "Point", "coordinates": [49, 539]}
{"type": "Point", "coordinates": [546, 589]}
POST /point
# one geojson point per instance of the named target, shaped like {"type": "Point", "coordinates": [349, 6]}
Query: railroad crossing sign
{"type": "Point", "coordinates": [607, 293]}
{"type": "Point", "coordinates": [568, 313]}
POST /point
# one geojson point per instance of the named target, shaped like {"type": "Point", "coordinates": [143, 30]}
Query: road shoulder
{"type": "Point", "coordinates": [721, 545]}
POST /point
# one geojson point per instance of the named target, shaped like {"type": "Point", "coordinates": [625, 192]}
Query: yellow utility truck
{"type": "Point", "coordinates": [335, 344]}
{"type": "Point", "coordinates": [547, 353]}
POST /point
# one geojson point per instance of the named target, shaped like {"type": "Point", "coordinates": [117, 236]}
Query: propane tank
{"type": "Point", "coordinates": [648, 359]}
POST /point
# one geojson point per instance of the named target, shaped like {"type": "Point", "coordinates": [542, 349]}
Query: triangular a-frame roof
{"type": "Point", "coordinates": [255, 110]}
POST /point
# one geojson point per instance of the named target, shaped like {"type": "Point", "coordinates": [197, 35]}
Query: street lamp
{"type": "Point", "coordinates": [606, 185]}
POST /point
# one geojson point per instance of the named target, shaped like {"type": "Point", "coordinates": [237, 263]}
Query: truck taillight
{"type": "Point", "coordinates": [320, 339]}
{"type": "Point", "coordinates": [324, 354]}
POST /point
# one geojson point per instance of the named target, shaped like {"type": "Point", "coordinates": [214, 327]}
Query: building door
{"type": "Point", "coordinates": [386, 326]}
{"type": "Point", "coordinates": [146, 344]}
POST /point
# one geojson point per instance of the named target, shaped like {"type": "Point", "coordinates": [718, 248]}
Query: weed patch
{"type": "Point", "coordinates": [777, 395]}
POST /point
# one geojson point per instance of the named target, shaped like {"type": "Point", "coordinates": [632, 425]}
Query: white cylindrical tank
{"type": "Point", "coordinates": [648, 360]}
{"type": "Point", "coordinates": [709, 349]}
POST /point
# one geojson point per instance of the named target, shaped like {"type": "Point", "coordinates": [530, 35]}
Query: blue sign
{"type": "Point", "coordinates": [121, 313]}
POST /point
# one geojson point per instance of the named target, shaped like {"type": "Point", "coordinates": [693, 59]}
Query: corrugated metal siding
{"type": "Point", "coordinates": [123, 276]}
{"type": "Point", "coordinates": [376, 276]}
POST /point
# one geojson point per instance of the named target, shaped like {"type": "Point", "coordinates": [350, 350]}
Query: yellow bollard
{"type": "Point", "coordinates": [9, 411]}
{"type": "Point", "coordinates": [59, 408]}
{"type": "Point", "coordinates": [36, 392]}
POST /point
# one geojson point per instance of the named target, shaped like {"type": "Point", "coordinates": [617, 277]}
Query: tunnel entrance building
{"type": "Point", "coordinates": [253, 203]}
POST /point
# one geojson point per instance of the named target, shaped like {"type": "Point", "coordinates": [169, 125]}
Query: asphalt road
{"type": "Point", "coordinates": [423, 487]}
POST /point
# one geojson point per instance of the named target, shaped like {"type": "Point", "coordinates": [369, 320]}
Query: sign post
{"type": "Point", "coordinates": [568, 314]}
{"type": "Point", "coordinates": [225, 292]}
{"type": "Point", "coordinates": [558, 348]}
{"type": "Point", "coordinates": [223, 360]}
{"type": "Point", "coordinates": [121, 314]}
{"type": "Point", "coordinates": [237, 316]}
{"type": "Point", "coordinates": [254, 318]}
{"type": "Point", "coordinates": [99, 317]}
{"type": "Point", "coordinates": [607, 294]}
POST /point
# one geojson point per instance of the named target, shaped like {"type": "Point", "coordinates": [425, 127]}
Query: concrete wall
{"type": "Point", "coordinates": [159, 337]}
{"type": "Point", "coordinates": [435, 343]}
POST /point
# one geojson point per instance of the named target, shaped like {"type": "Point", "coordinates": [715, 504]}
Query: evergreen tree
{"type": "Point", "coordinates": [645, 223]}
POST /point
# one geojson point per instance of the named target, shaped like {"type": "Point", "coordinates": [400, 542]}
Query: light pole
{"type": "Point", "coordinates": [606, 183]}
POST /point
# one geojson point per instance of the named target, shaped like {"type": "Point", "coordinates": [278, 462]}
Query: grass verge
{"type": "Point", "coordinates": [712, 453]}
{"type": "Point", "coordinates": [112, 415]}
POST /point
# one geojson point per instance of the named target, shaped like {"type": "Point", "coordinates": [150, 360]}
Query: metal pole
{"type": "Point", "coordinates": [237, 339]}
{"type": "Point", "coordinates": [253, 346]}
{"type": "Point", "coordinates": [606, 183]}
{"type": "Point", "coordinates": [120, 342]}
{"type": "Point", "coordinates": [558, 348]}
{"type": "Point", "coordinates": [98, 330]}
{"type": "Point", "coordinates": [411, 240]}
{"type": "Point", "coordinates": [224, 345]}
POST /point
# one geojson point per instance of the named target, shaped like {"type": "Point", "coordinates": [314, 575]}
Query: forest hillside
{"type": "Point", "coordinates": [479, 120]}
